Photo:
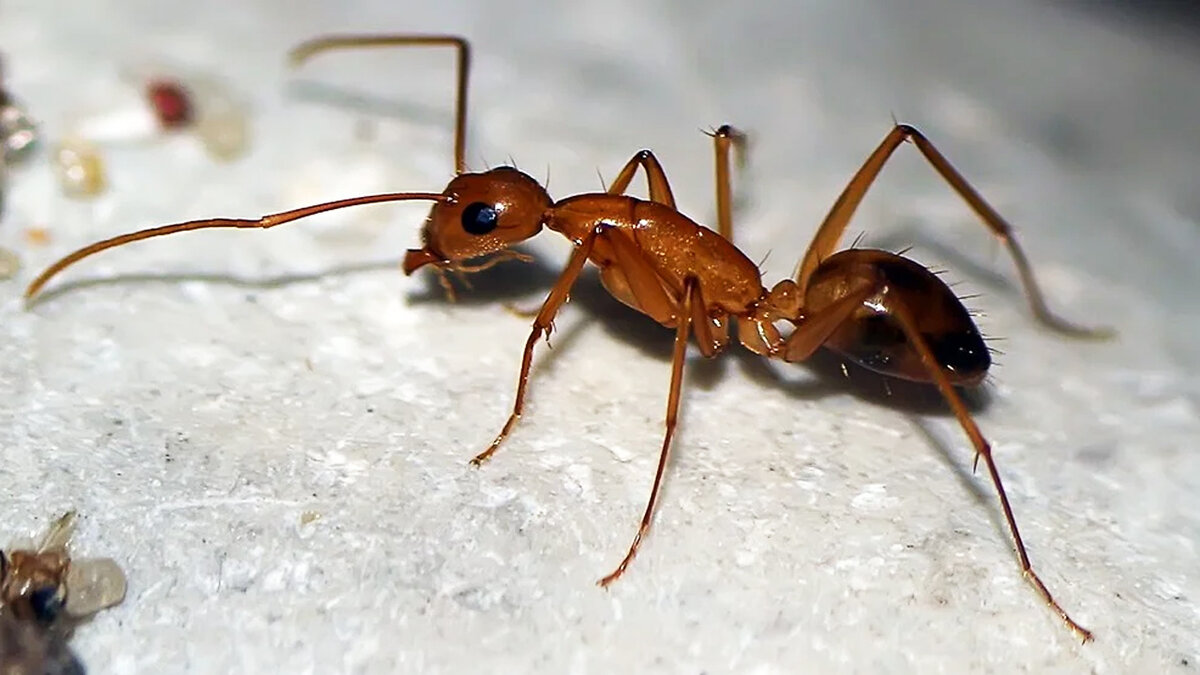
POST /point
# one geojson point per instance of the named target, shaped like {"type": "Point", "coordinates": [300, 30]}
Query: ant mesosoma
{"type": "Point", "coordinates": [872, 307]}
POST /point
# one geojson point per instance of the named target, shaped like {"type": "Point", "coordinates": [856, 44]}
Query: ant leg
{"type": "Point", "coordinates": [982, 449]}
{"type": "Point", "coordinates": [656, 178]}
{"type": "Point", "coordinates": [712, 334]}
{"type": "Point", "coordinates": [691, 295]}
{"type": "Point", "coordinates": [660, 190]}
{"type": "Point", "coordinates": [303, 51]}
{"type": "Point", "coordinates": [835, 223]}
{"type": "Point", "coordinates": [725, 138]}
{"type": "Point", "coordinates": [59, 534]}
{"type": "Point", "coordinates": [816, 328]}
{"type": "Point", "coordinates": [542, 325]}
{"type": "Point", "coordinates": [633, 280]}
{"type": "Point", "coordinates": [645, 290]}
{"type": "Point", "coordinates": [265, 222]}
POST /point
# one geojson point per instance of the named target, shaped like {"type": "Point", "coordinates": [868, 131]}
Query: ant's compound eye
{"type": "Point", "coordinates": [479, 218]}
{"type": "Point", "coordinates": [46, 604]}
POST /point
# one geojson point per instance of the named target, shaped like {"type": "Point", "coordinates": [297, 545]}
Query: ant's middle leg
{"type": "Point", "coordinates": [656, 178]}
{"type": "Point", "coordinates": [825, 241]}
{"type": "Point", "coordinates": [691, 299]}
{"type": "Point", "coordinates": [726, 139]}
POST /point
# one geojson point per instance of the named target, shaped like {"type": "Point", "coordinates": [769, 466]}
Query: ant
{"type": "Point", "coordinates": [47, 585]}
{"type": "Point", "coordinates": [872, 307]}
{"type": "Point", "coordinates": [44, 594]}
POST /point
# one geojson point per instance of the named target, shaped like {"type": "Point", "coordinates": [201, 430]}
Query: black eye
{"type": "Point", "coordinates": [46, 604]}
{"type": "Point", "coordinates": [479, 218]}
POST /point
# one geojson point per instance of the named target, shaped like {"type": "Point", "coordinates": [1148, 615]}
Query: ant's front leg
{"type": "Point", "coordinates": [542, 325]}
{"type": "Point", "coordinates": [309, 48]}
{"type": "Point", "coordinates": [644, 288]}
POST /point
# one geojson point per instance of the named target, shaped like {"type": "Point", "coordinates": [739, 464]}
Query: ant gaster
{"type": "Point", "coordinates": [872, 307]}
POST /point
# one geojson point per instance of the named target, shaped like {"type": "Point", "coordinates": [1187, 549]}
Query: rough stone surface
{"type": "Point", "coordinates": [269, 430]}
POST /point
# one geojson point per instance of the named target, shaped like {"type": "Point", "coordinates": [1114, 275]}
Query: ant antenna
{"type": "Point", "coordinates": [306, 50]}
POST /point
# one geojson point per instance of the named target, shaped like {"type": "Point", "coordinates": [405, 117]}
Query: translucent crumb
{"type": "Point", "coordinates": [80, 169]}
{"type": "Point", "coordinates": [18, 131]}
{"type": "Point", "coordinates": [94, 584]}
{"type": "Point", "coordinates": [38, 236]}
{"type": "Point", "coordinates": [10, 264]}
{"type": "Point", "coordinates": [180, 99]}
{"type": "Point", "coordinates": [221, 120]}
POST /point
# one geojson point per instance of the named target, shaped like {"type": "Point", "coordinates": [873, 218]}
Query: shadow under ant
{"type": "Point", "coordinates": [833, 375]}
{"type": "Point", "coordinates": [911, 234]}
{"type": "Point", "coordinates": [961, 471]}
{"type": "Point", "coordinates": [507, 282]}
{"type": "Point", "coordinates": [513, 282]}
{"type": "Point", "coordinates": [221, 278]}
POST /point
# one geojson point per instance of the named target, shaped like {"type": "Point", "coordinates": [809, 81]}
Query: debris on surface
{"type": "Point", "coordinates": [80, 168]}
{"type": "Point", "coordinates": [10, 264]}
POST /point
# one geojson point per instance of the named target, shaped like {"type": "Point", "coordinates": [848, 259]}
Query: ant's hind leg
{"type": "Point", "coordinates": [816, 328]}
{"type": "Point", "coordinates": [826, 239]}
{"type": "Point", "coordinates": [982, 450]}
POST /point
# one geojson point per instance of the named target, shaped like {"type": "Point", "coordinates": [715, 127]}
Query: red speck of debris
{"type": "Point", "coordinates": [171, 103]}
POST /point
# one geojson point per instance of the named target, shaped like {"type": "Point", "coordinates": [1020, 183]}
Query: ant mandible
{"type": "Point", "coordinates": [875, 308]}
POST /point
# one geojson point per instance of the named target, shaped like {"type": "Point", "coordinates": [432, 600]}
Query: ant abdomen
{"type": "Point", "coordinates": [874, 338]}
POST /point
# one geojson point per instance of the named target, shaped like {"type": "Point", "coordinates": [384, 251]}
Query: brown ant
{"type": "Point", "coordinates": [44, 594]}
{"type": "Point", "coordinates": [872, 307]}
{"type": "Point", "coordinates": [47, 586]}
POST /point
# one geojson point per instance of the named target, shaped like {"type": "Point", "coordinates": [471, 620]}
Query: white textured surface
{"type": "Point", "coordinates": [215, 387]}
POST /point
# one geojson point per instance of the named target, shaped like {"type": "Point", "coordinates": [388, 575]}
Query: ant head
{"type": "Point", "coordinates": [483, 213]}
{"type": "Point", "coordinates": [33, 584]}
